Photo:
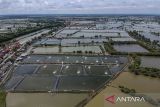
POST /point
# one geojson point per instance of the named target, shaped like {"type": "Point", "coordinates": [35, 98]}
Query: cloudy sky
{"type": "Point", "coordinates": [79, 6]}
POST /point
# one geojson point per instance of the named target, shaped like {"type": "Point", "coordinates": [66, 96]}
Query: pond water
{"type": "Point", "coordinates": [94, 49]}
{"type": "Point", "coordinates": [43, 99]}
{"type": "Point", "coordinates": [151, 36]}
{"type": "Point", "coordinates": [68, 31]}
{"type": "Point", "coordinates": [93, 34]}
{"type": "Point", "coordinates": [140, 83]}
{"type": "Point", "coordinates": [46, 50]}
{"type": "Point", "coordinates": [129, 48]}
{"type": "Point", "coordinates": [82, 41]}
{"type": "Point", "coordinates": [69, 49]}
{"type": "Point", "coordinates": [108, 25]}
{"type": "Point", "coordinates": [147, 61]}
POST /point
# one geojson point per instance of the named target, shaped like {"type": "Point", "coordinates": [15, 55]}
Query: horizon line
{"type": "Point", "coordinates": [151, 14]}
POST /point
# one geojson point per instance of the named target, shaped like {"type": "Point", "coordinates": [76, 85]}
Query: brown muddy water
{"type": "Point", "coordinates": [43, 99]}
{"type": "Point", "coordinates": [140, 83]}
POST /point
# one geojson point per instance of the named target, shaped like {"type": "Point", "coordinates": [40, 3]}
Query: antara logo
{"type": "Point", "coordinates": [113, 99]}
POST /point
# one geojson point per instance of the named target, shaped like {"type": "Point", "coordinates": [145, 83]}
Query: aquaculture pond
{"type": "Point", "coordinates": [147, 61]}
{"type": "Point", "coordinates": [129, 48]}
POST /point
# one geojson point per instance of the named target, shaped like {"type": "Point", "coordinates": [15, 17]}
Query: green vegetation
{"type": "Point", "coordinates": [102, 49]}
{"type": "Point", "coordinates": [156, 33]}
{"type": "Point", "coordinates": [109, 47]}
{"type": "Point", "coordinates": [141, 40]}
{"type": "Point", "coordinates": [127, 90]}
{"type": "Point", "coordinates": [80, 52]}
{"type": "Point", "coordinates": [136, 62]}
{"type": "Point", "coordinates": [132, 92]}
{"type": "Point", "coordinates": [152, 72]}
{"type": "Point", "coordinates": [145, 42]}
{"type": "Point", "coordinates": [136, 35]}
{"type": "Point", "coordinates": [54, 26]}
{"type": "Point", "coordinates": [2, 98]}
{"type": "Point", "coordinates": [137, 70]}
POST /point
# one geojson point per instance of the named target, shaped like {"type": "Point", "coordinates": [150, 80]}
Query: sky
{"type": "Point", "coordinates": [79, 7]}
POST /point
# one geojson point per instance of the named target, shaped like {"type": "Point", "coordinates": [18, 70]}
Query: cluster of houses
{"type": "Point", "coordinates": [4, 53]}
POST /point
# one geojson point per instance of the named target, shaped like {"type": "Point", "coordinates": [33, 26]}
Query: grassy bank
{"type": "Point", "coordinates": [133, 93]}
{"type": "Point", "coordinates": [146, 71]}
{"type": "Point", "coordinates": [2, 99]}
{"type": "Point", "coordinates": [109, 47]}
